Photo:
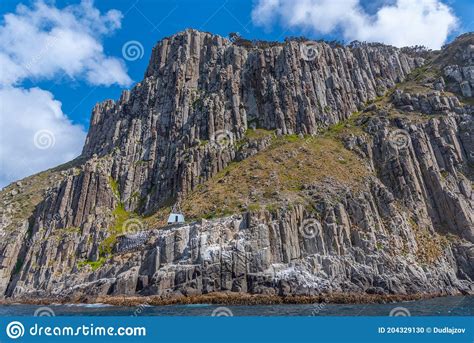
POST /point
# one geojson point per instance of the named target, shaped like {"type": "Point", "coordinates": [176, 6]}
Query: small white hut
{"type": "Point", "coordinates": [176, 217]}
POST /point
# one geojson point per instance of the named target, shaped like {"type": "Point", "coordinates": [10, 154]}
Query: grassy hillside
{"type": "Point", "coordinates": [272, 178]}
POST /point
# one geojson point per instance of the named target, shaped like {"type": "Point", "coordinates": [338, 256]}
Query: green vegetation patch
{"type": "Point", "coordinates": [346, 127]}
{"type": "Point", "coordinates": [93, 264]}
{"type": "Point", "coordinates": [114, 186]}
{"type": "Point", "coordinates": [120, 217]}
{"type": "Point", "coordinates": [273, 178]}
{"type": "Point", "coordinates": [252, 134]}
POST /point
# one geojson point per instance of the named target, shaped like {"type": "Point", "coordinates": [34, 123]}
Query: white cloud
{"type": "Point", "coordinates": [399, 23]}
{"type": "Point", "coordinates": [43, 42]}
{"type": "Point", "coordinates": [35, 134]}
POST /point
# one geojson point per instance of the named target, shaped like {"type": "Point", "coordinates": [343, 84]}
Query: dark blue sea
{"type": "Point", "coordinates": [445, 306]}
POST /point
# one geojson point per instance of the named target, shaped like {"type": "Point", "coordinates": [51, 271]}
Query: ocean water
{"type": "Point", "coordinates": [446, 306]}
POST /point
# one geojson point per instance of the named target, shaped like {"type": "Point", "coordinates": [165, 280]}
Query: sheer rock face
{"type": "Point", "coordinates": [431, 103]}
{"type": "Point", "coordinates": [179, 127]}
{"type": "Point", "coordinates": [200, 87]}
{"type": "Point", "coordinates": [460, 75]}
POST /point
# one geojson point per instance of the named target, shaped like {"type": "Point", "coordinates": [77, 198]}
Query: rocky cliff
{"type": "Point", "coordinates": [303, 168]}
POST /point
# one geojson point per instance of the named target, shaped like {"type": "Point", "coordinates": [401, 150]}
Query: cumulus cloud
{"type": "Point", "coordinates": [399, 22]}
{"type": "Point", "coordinates": [35, 134]}
{"type": "Point", "coordinates": [43, 42]}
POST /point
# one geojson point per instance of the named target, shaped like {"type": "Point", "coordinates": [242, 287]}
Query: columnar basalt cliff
{"type": "Point", "coordinates": [306, 168]}
{"type": "Point", "coordinates": [199, 86]}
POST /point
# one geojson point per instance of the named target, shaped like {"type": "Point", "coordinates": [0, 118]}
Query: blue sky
{"type": "Point", "coordinates": [148, 21]}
